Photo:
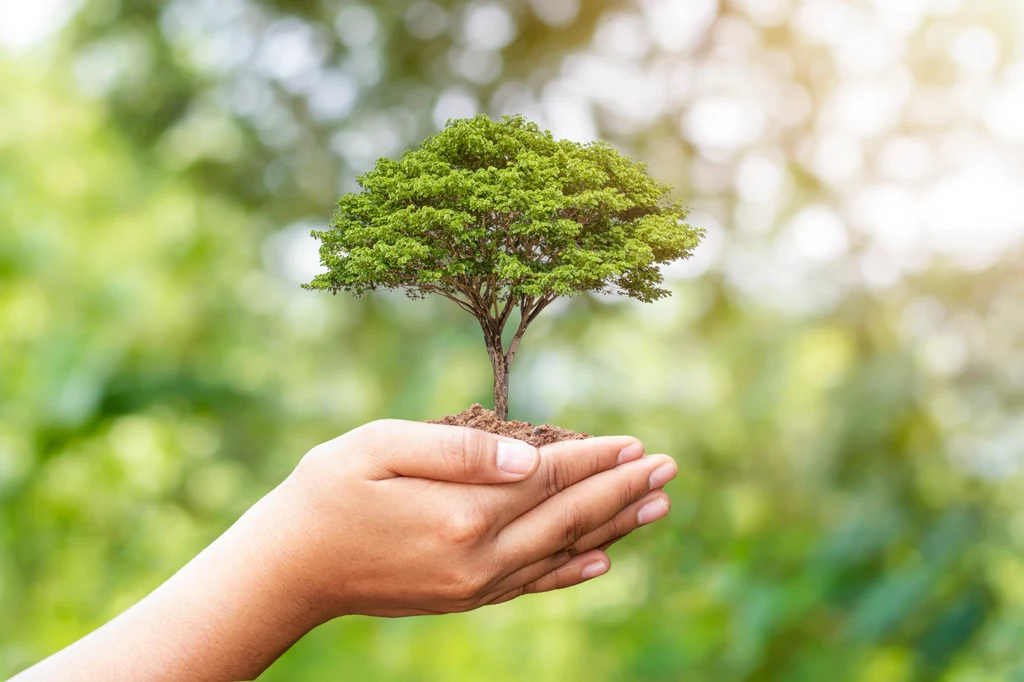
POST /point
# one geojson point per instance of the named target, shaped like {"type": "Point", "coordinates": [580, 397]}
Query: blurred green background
{"type": "Point", "coordinates": [840, 371]}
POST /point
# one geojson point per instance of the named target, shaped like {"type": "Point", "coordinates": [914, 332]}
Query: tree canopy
{"type": "Point", "coordinates": [490, 213]}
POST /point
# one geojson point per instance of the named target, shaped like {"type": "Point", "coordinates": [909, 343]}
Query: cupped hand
{"type": "Point", "coordinates": [402, 518]}
{"type": "Point", "coordinates": [394, 518]}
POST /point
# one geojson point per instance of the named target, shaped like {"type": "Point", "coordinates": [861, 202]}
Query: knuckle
{"type": "Point", "coordinates": [457, 451]}
{"type": "Point", "coordinates": [561, 557]}
{"type": "Point", "coordinates": [314, 456]}
{"type": "Point", "coordinates": [367, 440]}
{"type": "Point", "coordinates": [370, 429]}
{"type": "Point", "coordinates": [371, 437]}
{"type": "Point", "coordinates": [620, 525]}
{"type": "Point", "coordinates": [631, 492]}
{"type": "Point", "coordinates": [557, 480]}
{"type": "Point", "coordinates": [574, 526]}
{"type": "Point", "coordinates": [463, 528]}
{"type": "Point", "coordinates": [518, 592]}
{"type": "Point", "coordinates": [319, 461]}
{"type": "Point", "coordinates": [463, 605]}
{"type": "Point", "coordinates": [466, 587]}
{"type": "Point", "coordinates": [320, 474]}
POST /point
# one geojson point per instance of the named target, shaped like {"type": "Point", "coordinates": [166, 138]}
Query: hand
{"type": "Point", "coordinates": [394, 518]}
{"type": "Point", "coordinates": [399, 518]}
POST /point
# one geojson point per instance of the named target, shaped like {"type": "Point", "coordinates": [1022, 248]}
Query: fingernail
{"type": "Point", "coordinates": [652, 511]}
{"type": "Point", "coordinates": [631, 452]}
{"type": "Point", "coordinates": [516, 457]}
{"type": "Point", "coordinates": [594, 569]}
{"type": "Point", "coordinates": [662, 475]}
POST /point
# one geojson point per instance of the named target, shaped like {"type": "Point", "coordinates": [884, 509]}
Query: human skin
{"type": "Point", "coordinates": [393, 518]}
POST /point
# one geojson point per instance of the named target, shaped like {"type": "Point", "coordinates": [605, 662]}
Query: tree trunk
{"type": "Point", "coordinates": [500, 365]}
{"type": "Point", "coordinates": [501, 390]}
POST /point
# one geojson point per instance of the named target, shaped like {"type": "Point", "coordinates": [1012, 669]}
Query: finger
{"type": "Point", "coordinates": [652, 507]}
{"type": "Point", "coordinates": [444, 453]}
{"type": "Point", "coordinates": [629, 519]}
{"type": "Point", "coordinates": [559, 522]}
{"type": "Point", "coordinates": [562, 465]}
{"type": "Point", "coordinates": [579, 569]}
{"type": "Point", "coordinates": [605, 546]}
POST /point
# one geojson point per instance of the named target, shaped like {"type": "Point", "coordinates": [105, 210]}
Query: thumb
{"type": "Point", "coordinates": [447, 453]}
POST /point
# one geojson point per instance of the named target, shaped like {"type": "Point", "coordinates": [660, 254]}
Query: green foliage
{"type": "Point", "coordinates": [488, 212]}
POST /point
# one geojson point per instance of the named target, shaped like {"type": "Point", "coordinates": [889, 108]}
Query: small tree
{"type": "Point", "coordinates": [499, 217]}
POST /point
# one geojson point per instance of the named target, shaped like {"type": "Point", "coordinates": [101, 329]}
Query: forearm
{"type": "Point", "coordinates": [227, 615]}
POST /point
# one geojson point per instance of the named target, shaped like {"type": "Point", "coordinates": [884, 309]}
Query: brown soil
{"type": "Point", "coordinates": [479, 417]}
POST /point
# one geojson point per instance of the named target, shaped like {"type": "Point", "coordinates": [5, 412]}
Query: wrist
{"type": "Point", "coordinates": [278, 549]}
{"type": "Point", "coordinates": [227, 614]}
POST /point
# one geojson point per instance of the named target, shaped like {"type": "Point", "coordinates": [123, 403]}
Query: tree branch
{"type": "Point", "coordinates": [506, 311]}
{"type": "Point", "coordinates": [465, 305]}
{"type": "Point", "coordinates": [541, 305]}
{"type": "Point", "coordinates": [527, 317]}
{"type": "Point", "coordinates": [474, 299]}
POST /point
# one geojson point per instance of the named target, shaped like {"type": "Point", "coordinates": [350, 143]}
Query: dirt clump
{"type": "Point", "coordinates": [479, 417]}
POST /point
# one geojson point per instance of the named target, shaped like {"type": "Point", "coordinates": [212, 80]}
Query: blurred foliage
{"type": "Point", "coordinates": [848, 502]}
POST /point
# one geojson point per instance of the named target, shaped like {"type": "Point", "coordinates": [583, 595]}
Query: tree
{"type": "Point", "coordinates": [498, 216]}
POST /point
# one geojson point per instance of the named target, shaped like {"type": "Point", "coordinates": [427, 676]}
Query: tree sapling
{"type": "Point", "coordinates": [499, 217]}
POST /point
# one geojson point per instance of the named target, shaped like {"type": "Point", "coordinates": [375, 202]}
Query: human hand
{"type": "Point", "coordinates": [394, 518]}
{"type": "Point", "coordinates": [401, 518]}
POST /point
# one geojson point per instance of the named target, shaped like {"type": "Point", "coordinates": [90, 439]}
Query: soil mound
{"type": "Point", "coordinates": [479, 417]}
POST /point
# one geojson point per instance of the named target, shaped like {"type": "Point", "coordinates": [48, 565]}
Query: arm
{"type": "Point", "coordinates": [227, 615]}
{"type": "Point", "coordinates": [392, 519]}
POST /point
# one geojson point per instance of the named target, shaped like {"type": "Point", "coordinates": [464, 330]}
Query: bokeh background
{"type": "Point", "coordinates": [840, 371]}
